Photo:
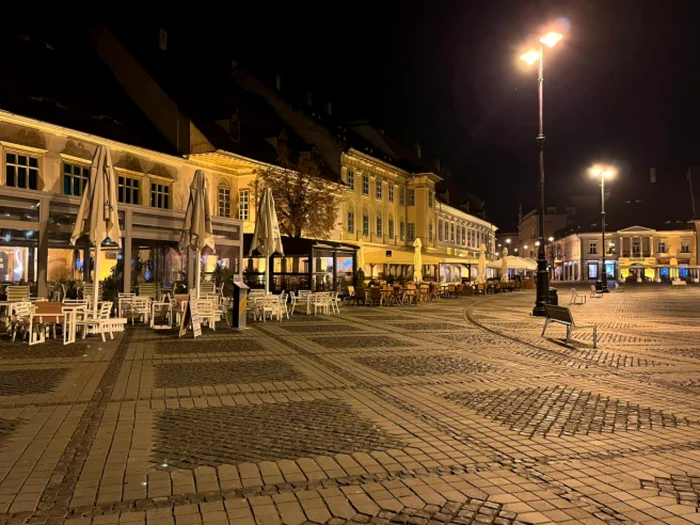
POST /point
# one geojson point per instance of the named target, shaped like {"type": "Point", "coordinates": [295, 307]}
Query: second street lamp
{"type": "Point", "coordinates": [602, 172]}
{"type": "Point", "coordinates": [549, 40]}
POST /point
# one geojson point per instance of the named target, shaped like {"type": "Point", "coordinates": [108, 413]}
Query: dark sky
{"type": "Point", "coordinates": [622, 87]}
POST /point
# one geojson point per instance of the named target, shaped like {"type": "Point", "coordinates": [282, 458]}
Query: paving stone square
{"type": "Point", "coordinates": [453, 412]}
{"type": "Point", "coordinates": [173, 375]}
{"type": "Point", "coordinates": [190, 438]}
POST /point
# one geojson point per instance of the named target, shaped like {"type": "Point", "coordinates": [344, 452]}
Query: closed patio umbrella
{"type": "Point", "coordinates": [417, 261]}
{"type": "Point", "coordinates": [481, 267]}
{"type": "Point", "coordinates": [97, 215]}
{"type": "Point", "coordinates": [504, 266]}
{"type": "Point", "coordinates": [197, 232]}
{"type": "Point", "coordinates": [266, 237]}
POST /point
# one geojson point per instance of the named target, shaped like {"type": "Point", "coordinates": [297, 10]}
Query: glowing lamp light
{"type": "Point", "coordinates": [551, 39]}
{"type": "Point", "coordinates": [551, 239]}
{"type": "Point", "coordinates": [537, 243]}
{"type": "Point", "coordinates": [507, 241]}
{"type": "Point", "coordinates": [603, 171]}
{"type": "Point", "coordinates": [531, 56]}
{"type": "Point", "coordinates": [525, 247]}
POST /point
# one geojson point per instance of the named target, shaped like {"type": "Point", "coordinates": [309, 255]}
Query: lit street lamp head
{"type": "Point", "coordinates": [551, 239]}
{"type": "Point", "coordinates": [551, 39]}
{"type": "Point", "coordinates": [603, 171]}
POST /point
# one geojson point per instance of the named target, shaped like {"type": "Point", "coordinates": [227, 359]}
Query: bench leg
{"type": "Point", "coordinates": [595, 337]}
{"type": "Point", "coordinates": [544, 328]}
{"type": "Point", "coordinates": [568, 334]}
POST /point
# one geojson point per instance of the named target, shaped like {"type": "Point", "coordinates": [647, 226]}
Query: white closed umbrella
{"type": "Point", "coordinates": [361, 255]}
{"type": "Point", "coordinates": [267, 238]}
{"type": "Point", "coordinates": [481, 267]}
{"type": "Point", "coordinates": [417, 261]}
{"type": "Point", "coordinates": [97, 216]}
{"type": "Point", "coordinates": [197, 231]}
{"type": "Point", "coordinates": [504, 266]}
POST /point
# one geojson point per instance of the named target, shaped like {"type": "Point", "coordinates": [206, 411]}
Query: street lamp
{"type": "Point", "coordinates": [549, 40]}
{"type": "Point", "coordinates": [602, 172]}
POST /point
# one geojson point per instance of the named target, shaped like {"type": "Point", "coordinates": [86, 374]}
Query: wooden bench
{"type": "Point", "coordinates": [595, 293]}
{"type": "Point", "coordinates": [678, 282]}
{"type": "Point", "coordinates": [577, 298]}
{"type": "Point", "coordinates": [562, 315]}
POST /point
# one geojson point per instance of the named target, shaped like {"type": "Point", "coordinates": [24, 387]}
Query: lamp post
{"type": "Point", "coordinates": [550, 40]}
{"type": "Point", "coordinates": [604, 172]}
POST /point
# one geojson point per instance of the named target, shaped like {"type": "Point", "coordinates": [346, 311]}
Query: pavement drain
{"type": "Point", "coordinates": [193, 437]}
{"type": "Point", "coordinates": [562, 411]}
{"type": "Point", "coordinates": [173, 375]}
{"type": "Point", "coordinates": [31, 381]}
{"type": "Point", "coordinates": [410, 365]}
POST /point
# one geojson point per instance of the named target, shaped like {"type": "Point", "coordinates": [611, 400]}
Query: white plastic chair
{"type": "Point", "coordinates": [97, 323]}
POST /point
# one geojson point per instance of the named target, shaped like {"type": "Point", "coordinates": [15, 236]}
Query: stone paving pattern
{"type": "Point", "coordinates": [452, 412]}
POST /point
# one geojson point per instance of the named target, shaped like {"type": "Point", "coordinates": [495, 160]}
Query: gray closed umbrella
{"type": "Point", "coordinates": [197, 231]}
{"type": "Point", "coordinates": [97, 216]}
{"type": "Point", "coordinates": [267, 238]}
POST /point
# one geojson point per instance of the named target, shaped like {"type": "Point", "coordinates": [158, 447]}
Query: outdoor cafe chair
{"type": "Point", "coordinates": [423, 293]}
{"type": "Point", "coordinates": [206, 310]}
{"type": "Point", "coordinates": [21, 318]}
{"type": "Point", "coordinates": [97, 322]}
{"type": "Point", "coordinates": [374, 296]}
{"type": "Point", "coordinates": [322, 301]}
{"type": "Point", "coordinates": [336, 301]}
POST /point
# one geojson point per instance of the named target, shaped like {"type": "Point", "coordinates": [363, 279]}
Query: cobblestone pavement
{"type": "Point", "coordinates": [452, 412]}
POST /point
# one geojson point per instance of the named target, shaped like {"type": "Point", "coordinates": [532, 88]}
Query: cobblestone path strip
{"type": "Point", "coordinates": [193, 374]}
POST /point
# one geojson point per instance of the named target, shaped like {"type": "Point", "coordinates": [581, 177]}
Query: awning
{"type": "Point", "coordinates": [458, 260]}
{"type": "Point", "coordinates": [300, 247]}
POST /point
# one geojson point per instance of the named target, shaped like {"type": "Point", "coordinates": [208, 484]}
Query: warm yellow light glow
{"type": "Point", "coordinates": [507, 241]}
{"type": "Point", "coordinates": [525, 247]}
{"type": "Point", "coordinates": [551, 239]}
{"type": "Point", "coordinates": [551, 39]}
{"type": "Point", "coordinates": [531, 56]}
{"type": "Point", "coordinates": [600, 170]}
{"type": "Point", "coordinates": [537, 243]}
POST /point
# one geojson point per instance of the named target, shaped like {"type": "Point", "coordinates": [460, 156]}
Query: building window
{"type": "Point", "coordinates": [75, 178]}
{"type": "Point", "coordinates": [160, 195]}
{"type": "Point", "coordinates": [402, 196]}
{"type": "Point", "coordinates": [452, 232]}
{"type": "Point", "coordinates": [411, 231]}
{"type": "Point", "coordinates": [224, 202]}
{"type": "Point", "coordinates": [351, 179]}
{"type": "Point", "coordinates": [365, 224]}
{"type": "Point", "coordinates": [351, 221]}
{"type": "Point", "coordinates": [611, 248]}
{"type": "Point", "coordinates": [593, 248]}
{"type": "Point", "coordinates": [379, 227]}
{"type": "Point", "coordinates": [685, 245]}
{"type": "Point", "coordinates": [243, 205]}
{"type": "Point", "coordinates": [440, 231]}
{"type": "Point", "coordinates": [365, 185]}
{"type": "Point", "coordinates": [458, 238]}
{"type": "Point", "coordinates": [379, 188]}
{"type": "Point", "coordinates": [661, 247]}
{"type": "Point", "coordinates": [391, 192]}
{"type": "Point", "coordinates": [411, 197]}
{"type": "Point", "coordinates": [22, 171]}
{"type": "Point", "coordinates": [129, 190]}
{"type": "Point", "coordinates": [402, 230]}
{"type": "Point", "coordinates": [430, 232]}
{"type": "Point", "coordinates": [592, 271]}
{"type": "Point", "coordinates": [391, 228]}
{"type": "Point", "coordinates": [636, 247]}
{"type": "Point", "coordinates": [430, 199]}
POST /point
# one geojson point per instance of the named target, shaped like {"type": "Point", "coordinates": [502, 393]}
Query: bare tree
{"type": "Point", "coordinates": [306, 203]}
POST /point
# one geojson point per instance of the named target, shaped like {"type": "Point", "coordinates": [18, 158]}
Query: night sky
{"type": "Point", "coordinates": [622, 87]}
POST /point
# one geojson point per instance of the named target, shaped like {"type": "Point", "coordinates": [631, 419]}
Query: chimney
{"type": "Point", "coordinates": [278, 82]}
{"type": "Point", "coordinates": [416, 148]}
{"type": "Point", "coordinates": [436, 165]}
{"type": "Point", "coordinates": [328, 108]}
{"type": "Point", "coordinates": [307, 98]}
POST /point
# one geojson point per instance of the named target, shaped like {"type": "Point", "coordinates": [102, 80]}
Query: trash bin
{"type": "Point", "coordinates": [553, 297]}
{"type": "Point", "coordinates": [238, 306]}
{"type": "Point", "coordinates": [599, 286]}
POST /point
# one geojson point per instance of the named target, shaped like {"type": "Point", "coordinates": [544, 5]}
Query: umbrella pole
{"type": "Point", "coordinates": [96, 278]}
{"type": "Point", "coordinates": [267, 275]}
{"type": "Point", "coordinates": [197, 271]}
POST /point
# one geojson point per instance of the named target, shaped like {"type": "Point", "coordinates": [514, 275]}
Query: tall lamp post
{"type": "Point", "coordinates": [549, 40]}
{"type": "Point", "coordinates": [602, 172]}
